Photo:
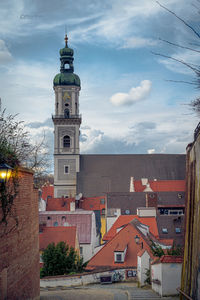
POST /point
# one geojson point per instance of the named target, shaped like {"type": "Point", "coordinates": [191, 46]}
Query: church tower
{"type": "Point", "coordinates": [66, 121]}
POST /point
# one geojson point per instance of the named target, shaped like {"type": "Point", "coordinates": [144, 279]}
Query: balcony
{"type": "Point", "coordinates": [69, 117]}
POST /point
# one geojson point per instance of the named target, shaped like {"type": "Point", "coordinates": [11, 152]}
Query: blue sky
{"type": "Point", "coordinates": [126, 102]}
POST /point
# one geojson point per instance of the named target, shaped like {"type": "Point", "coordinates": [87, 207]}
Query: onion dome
{"type": "Point", "coordinates": [66, 75]}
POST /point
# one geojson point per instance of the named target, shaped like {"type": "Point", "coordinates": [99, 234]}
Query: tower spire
{"type": "Point", "coordinates": [66, 40]}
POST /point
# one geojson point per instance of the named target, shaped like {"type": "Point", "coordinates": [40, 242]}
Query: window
{"type": "Point", "coordinates": [48, 218]}
{"type": "Point", "coordinates": [81, 250]}
{"type": "Point", "coordinates": [103, 211]}
{"type": "Point", "coordinates": [55, 224]}
{"type": "Point", "coordinates": [66, 113]}
{"type": "Point", "coordinates": [102, 201]}
{"type": "Point", "coordinates": [118, 257]}
{"type": "Point", "coordinates": [178, 230]}
{"type": "Point", "coordinates": [66, 141]}
{"type": "Point", "coordinates": [164, 230]}
{"type": "Point", "coordinates": [66, 169]}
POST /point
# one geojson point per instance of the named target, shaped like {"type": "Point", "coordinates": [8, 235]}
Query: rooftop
{"type": "Point", "coordinates": [56, 235]}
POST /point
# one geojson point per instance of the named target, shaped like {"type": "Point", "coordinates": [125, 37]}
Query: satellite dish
{"type": "Point", "coordinates": [79, 196]}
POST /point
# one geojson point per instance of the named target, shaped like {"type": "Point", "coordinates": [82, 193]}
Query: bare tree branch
{"type": "Point", "coordinates": [180, 81]}
{"type": "Point", "coordinates": [180, 46]}
{"type": "Point", "coordinates": [179, 18]}
{"type": "Point", "coordinates": [196, 70]}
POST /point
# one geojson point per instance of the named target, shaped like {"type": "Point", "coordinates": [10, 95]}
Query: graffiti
{"type": "Point", "coordinates": [131, 273]}
{"type": "Point", "coordinates": [117, 276]}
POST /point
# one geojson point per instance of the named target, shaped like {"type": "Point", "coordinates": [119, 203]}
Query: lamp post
{"type": "Point", "coordinates": [5, 173]}
{"type": "Point", "coordinates": [137, 241]}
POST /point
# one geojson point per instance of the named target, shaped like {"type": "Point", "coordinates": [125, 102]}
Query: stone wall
{"type": "Point", "coordinates": [93, 277]}
{"type": "Point", "coordinates": [19, 247]}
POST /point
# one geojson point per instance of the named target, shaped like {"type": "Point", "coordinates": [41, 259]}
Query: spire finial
{"type": "Point", "coordinates": [66, 40]}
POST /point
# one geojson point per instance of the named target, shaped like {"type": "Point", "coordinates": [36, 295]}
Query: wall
{"type": "Point", "coordinates": [166, 278]}
{"type": "Point", "coordinates": [171, 278]}
{"type": "Point", "coordinates": [156, 277]}
{"type": "Point", "coordinates": [83, 279]}
{"type": "Point", "coordinates": [103, 227]}
{"type": "Point", "coordinates": [19, 248]}
{"type": "Point", "coordinates": [190, 283]}
{"type": "Point", "coordinates": [143, 264]}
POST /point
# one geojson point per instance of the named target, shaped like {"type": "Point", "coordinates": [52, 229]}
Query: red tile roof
{"type": "Point", "coordinates": [63, 204]}
{"type": "Point", "coordinates": [168, 259]}
{"type": "Point", "coordinates": [125, 219]}
{"type": "Point", "coordinates": [168, 242]}
{"type": "Point", "coordinates": [161, 185]}
{"type": "Point", "coordinates": [105, 257]}
{"type": "Point", "coordinates": [56, 235]}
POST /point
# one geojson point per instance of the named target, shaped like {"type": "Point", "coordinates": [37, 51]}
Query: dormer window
{"type": "Point", "coordinates": [66, 141]}
{"type": "Point", "coordinates": [119, 257]}
{"type": "Point", "coordinates": [119, 254]}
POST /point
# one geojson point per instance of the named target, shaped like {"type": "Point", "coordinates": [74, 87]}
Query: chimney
{"type": "Point", "coordinates": [151, 200]}
{"type": "Point", "coordinates": [72, 206]}
{"type": "Point", "coordinates": [132, 188]}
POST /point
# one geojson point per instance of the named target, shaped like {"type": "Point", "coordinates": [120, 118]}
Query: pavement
{"type": "Point", "coordinates": [115, 291]}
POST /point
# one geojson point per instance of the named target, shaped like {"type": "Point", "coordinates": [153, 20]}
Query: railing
{"type": "Point", "coordinates": [68, 117]}
{"type": "Point", "coordinates": [196, 132]}
{"type": "Point", "coordinates": [184, 294]}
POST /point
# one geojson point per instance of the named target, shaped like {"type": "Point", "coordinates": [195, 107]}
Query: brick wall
{"type": "Point", "coordinates": [19, 249]}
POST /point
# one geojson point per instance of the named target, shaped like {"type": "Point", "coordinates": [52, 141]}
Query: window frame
{"type": "Point", "coordinates": [68, 169]}
{"type": "Point", "coordinates": [66, 141]}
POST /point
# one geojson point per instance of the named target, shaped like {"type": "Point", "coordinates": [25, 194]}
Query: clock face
{"type": "Point", "coordinates": [66, 96]}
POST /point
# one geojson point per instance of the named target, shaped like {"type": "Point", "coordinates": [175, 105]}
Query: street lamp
{"type": "Point", "coordinates": [137, 241]}
{"type": "Point", "coordinates": [5, 173]}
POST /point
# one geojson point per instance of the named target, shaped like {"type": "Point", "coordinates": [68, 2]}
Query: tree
{"type": "Point", "coordinates": [60, 259]}
{"type": "Point", "coordinates": [17, 149]}
{"type": "Point", "coordinates": [194, 104]}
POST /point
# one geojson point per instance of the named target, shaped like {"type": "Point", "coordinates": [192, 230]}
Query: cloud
{"type": "Point", "coordinates": [134, 95]}
{"type": "Point", "coordinates": [5, 55]}
{"type": "Point", "coordinates": [29, 92]}
{"type": "Point", "coordinates": [151, 151]}
{"type": "Point", "coordinates": [138, 42]}
{"type": "Point", "coordinates": [189, 57]}
{"type": "Point", "coordinates": [47, 123]}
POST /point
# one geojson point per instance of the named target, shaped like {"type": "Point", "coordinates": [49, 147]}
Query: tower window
{"type": "Point", "coordinates": [66, 66]}
{"type": "Point", "coordinates": [66, 113]}
{"type": "Point", "coordinates": [66, 169]}
{"type": "Point", "coordinates": [66, 141]}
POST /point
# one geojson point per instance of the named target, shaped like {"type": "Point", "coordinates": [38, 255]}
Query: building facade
{"type": "Point", "coordinates": [66, 126]}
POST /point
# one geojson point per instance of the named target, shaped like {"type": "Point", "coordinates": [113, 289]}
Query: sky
{"type": "Point", "coordinates": [128, 100]}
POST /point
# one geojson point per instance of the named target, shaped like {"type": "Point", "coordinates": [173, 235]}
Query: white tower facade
{"type": "Point", "coordinates": [66, 126]}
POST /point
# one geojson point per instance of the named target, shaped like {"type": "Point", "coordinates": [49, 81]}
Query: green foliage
{"type": "Point", "coordinates": [178, 251]}
{"type": "Point", "coordinates": [158, 251]}
{"type": "Point", "coordinates": [148, 276]}
{"type": "Point", "coordinates": [60, 260]}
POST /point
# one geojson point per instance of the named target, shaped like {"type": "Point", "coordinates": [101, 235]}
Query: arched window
{"type": "Point", "coordinates": [66, 141]}
{"type": "Point", "coordinates": [66, 113]}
